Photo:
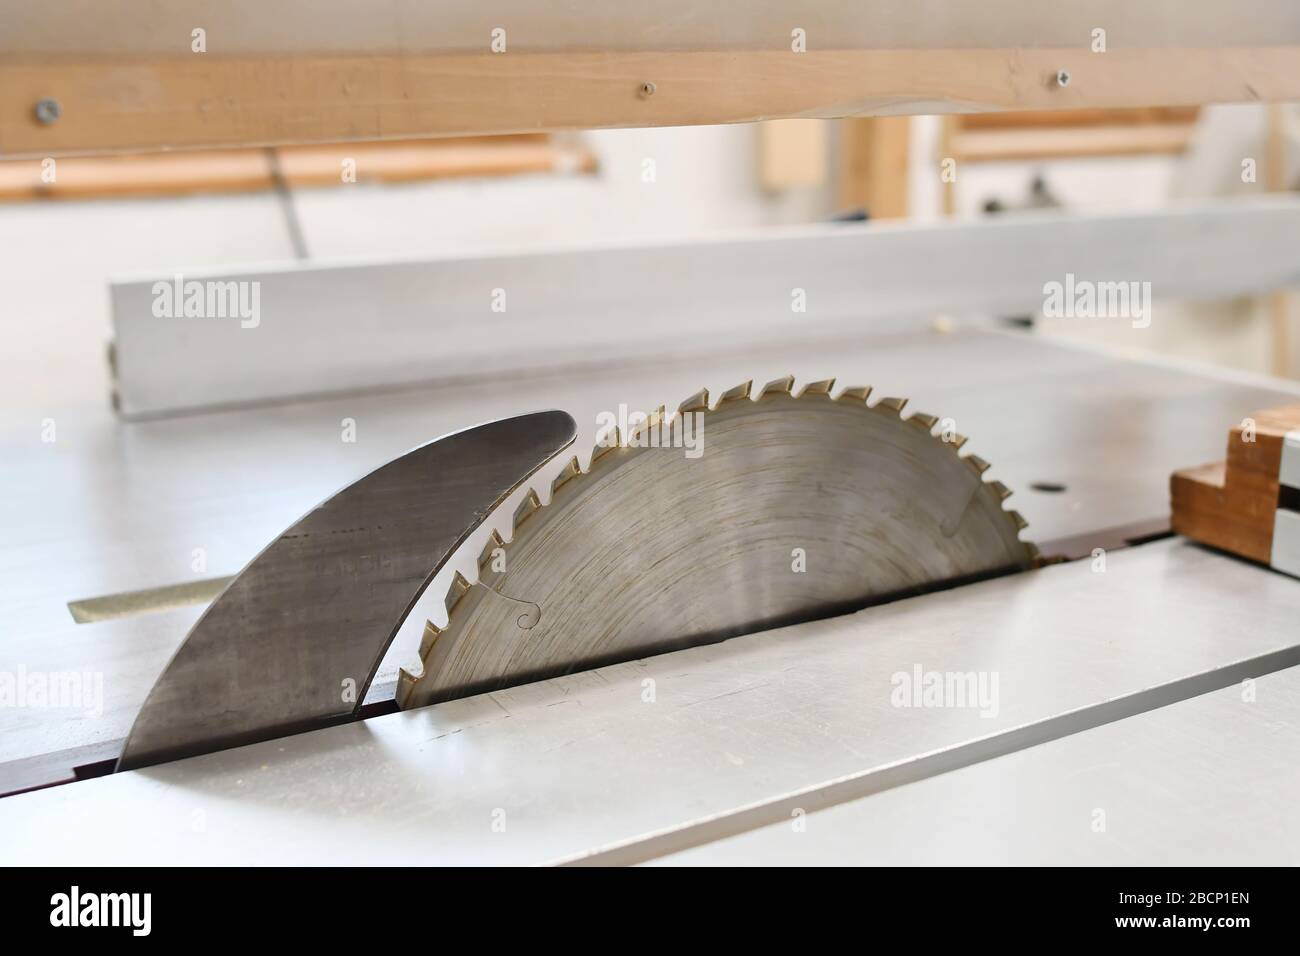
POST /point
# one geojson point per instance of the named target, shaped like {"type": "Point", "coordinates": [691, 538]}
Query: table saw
{"type": "Point", "coordinates": [706, 749]}
{"type": "Point", "coordinates": [650, 568]}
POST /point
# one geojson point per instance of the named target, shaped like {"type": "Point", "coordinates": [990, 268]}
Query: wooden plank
{"type": "Point", "coordinates": [1067, 134]}
{"type": "Point", "coordinates": [1030, 143]}
{"type": "Point", "coordinates": [114, 103]}
{"type": "Point", "coordinates": [434, 159]}
{"type": "Point", "coordinates": [243, 170]}
{"type": "Point", "coordinates": [1037, 119]}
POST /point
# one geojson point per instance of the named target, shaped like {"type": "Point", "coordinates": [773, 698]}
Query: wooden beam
{"type": "Point", "coordinates": [1144, 116]}
{"type": "Point", "coordinates": [874, 165]}
{"type": "Point", "coordinates": [792, 154]}
{"type": "Point", "coordinates": [117, 103]}
{"type": "Point", "coordinates": [1279, 303]}
{"type": "Point", "coordinates": [947, 135]}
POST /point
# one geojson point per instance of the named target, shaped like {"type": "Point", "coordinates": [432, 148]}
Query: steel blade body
{"type": "Point", "coordinates": [794, 508]}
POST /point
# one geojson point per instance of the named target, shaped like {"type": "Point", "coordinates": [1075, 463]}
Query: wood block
{"type": "Point", "coordinates": [1246, 504]}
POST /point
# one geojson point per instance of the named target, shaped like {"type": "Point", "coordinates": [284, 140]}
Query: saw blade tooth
{"type": "Point", "coordinates": [956, 441]}
{"type": "Point", "coordinates": [614, 441]}
{"type": "Point", "coordinates": [820, 389]}
{"type": "Point", "coordinates": [455, 591]}
{"type": "Point", "coordinates": [999, 489]}
{"type": "Point", "coordinates": [858, 394]}
{"type": "Point", "coordinates": [923, 421]}
{"type": "Point", "coordinates": [778, 386]}
{"type": "Point", "coordinates": [570, 471]}
{"type": "Point", "coordinates": [493, 542]}
{"type": "Point", "coordinates": [655, 420]}
{"type": "Point", "coordinates": [646, 426]}
{"type": "Point", "coordinates": [430, 637]}
{"type": "Point", "coordinates": [978, 464]}
{"type": "Point", "coordinates": [895, 405]}
{"type": "Point", "coordinates": [526, 507]}
{"type": "Point", "coordinates": [735, 393]}
{"type": "Point", "coordinates": [699, 402]}
{"type": "Point", "coordinates": [406, 681]}
{"type": "Point", "coordinates": [1018, 518]}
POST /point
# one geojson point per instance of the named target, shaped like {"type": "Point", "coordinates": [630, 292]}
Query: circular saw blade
{"type": "Point", "coordinates": [793, 508]}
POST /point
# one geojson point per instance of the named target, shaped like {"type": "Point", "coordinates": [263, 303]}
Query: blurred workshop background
{"type": "Point", "coordinates": [67, 231]}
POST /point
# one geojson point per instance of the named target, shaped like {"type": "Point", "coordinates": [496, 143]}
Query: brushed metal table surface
{"type": "Point", "coordinates": [1213, 780]}
{"type": "Point", "coordinates": [586, 764]}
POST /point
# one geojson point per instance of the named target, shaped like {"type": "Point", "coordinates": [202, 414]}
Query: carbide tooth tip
{"type": "Point", "coordinates": [735, 393]}
{"type": "Point", "coordinates": [493, 542]}
{"type": "Point", "coordinates": [613, 440]}
{"type": "Point", "coordinates": [820, 389]}
{"type": "Point", "coordinates": [977, 463]}
{"type": "Point", "coordinates": [857, 394]}
{"type": "Point", "coordinates": [699, 402]}
{"type": "Point", "coordinates": [1018, 518]}
{"type": "Point", "coordinates": [644, 430]}
{"type": "Point", "coordinates": [895, 405]}
{"type": "Point", "coordinates": [526, 507]}
{"type": "Point", "coordinates": [923, 421]}
{"type": "Point", "coordinates": [430, 637]}
{"type": "Point", "coordinates": [455, 591]}
{"type": "Point", "coordinates": [778, 386]}
{"type": "Point", "coordinates": [1001, 490]}
{"type": "Point", "coordinates": [570, 471]}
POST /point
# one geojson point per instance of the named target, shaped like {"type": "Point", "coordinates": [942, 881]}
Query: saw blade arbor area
{"type": "Point", "coordinates": [719, 521]}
